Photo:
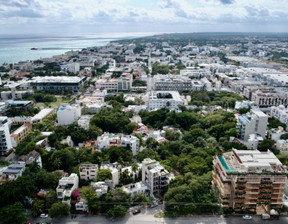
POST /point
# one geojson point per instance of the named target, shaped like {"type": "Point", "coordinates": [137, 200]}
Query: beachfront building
{"type": "Point", "coordinates": [65, 83]}
{"type": "Point", "coordinates": [162, 99]}
{"type": "Point", "coordinates": [249, 180]}
{"type": "Point", "coordinates": [154, 176]}
{"type": "Point", "coordinates": [68, 114]}
{"type": "Point", "coordinates": [5, 139]}
{"type": "Point", "coordinates": [253, 122]}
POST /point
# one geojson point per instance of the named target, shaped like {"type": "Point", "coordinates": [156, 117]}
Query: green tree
{"type": "Point", "coordinates": [58, 209]}
{"type": "Point", "coordinates": [13, 214]}
{"type": "Point", "coordinates": [37, 207]}
{"type": "Point", "coordinates": [93, 203]}
{"type": "Point", "coordinates": [104, 174]}
{"type": "Point", "coordinates": [266, 144]}
{"type": "Point", "coordinates": [117, 211]}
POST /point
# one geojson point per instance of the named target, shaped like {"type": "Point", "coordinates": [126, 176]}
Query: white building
{"type": "Point", "coordinates": [280, 113]}
{"type": "Point", "coordinates": [115, 171]}
{"type": "Point", "coordinates": [107, 140]}
{"type": "Point", "coordinates": [13, 171]}
{"type": "Point", "coordinates": [135, 188]}
{"type": "Point", "coordinates": [32, 157]}
{"type": "Point", "coordinates": [42, 115]}
{"type": "Point", "coordinates": [88, 171]}
{"type": "Point", "coordinates": [66, 186]}
{"type": "Point", "coordinates": [108, 84]}
{"type": "Point", "coordinates": [275, 133]}
{"type": "Point", "coordinates": [161, 99]}
{"type": "Point", "coordinates": [84, 121]}
{"type": "Point", "coordinates": [100, 187]}
{"type": "Point", "coordinates": [154, 176]}
{"type": "Point", "coordinates": [68, 114]}
{"type": "Point", "coordinates": [5, 139]}
{"type": "Point", "coordinates": [282, 145]}
{"type": "Point", "coordinates": [125, 82]}
{"type": "Point", "coordinates": [254, 122]}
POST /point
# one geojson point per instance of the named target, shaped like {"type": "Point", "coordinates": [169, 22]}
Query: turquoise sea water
{"type": "Point", "coordinates": [18, 48]}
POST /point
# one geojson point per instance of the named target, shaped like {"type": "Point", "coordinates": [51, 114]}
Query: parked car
{"type": "Point", "coordinates": [43, 215]}
{"type": "Point", "coordinates": [247, 217]}
{"type": "Point", "coordinates": [136, 211]}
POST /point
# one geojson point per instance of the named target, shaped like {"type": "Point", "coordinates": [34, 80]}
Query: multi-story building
{"type": "Point", "coordinates": [19, 135]}
{"type": "Point", "coordinates": [125, 82]}
{"type": "Point", "coordinates": [161, 99]}
{"type": "Point", "coordinates": [107, 140]}
{"type": "Point", "coordinates": [254, 122]}
{"type": "Point", "coordinates": [68, 114]}
{"type": "Point", "coordinates": [172, 83]}
{"type": "Point", "coordinates": [249, 180]}
{"type": "Point", "coordinates": [108, 84]}
{"type": "Point", "coordinates": [5, 139]}
{"type": "Point", "coordinates": [115, 169]}
{"type": "Point", "coordinates": [44, 113]}
{"type": "Point", "coordinates": [155, 176]}
{"type": "Point", "coordinates": [265, 96]}
{"type": "Point", "coordinates": [66, 186]}
{"type": "Point", "coordinates": [88, 171]}
{"type": "Point", "coordinates": [72, 83]}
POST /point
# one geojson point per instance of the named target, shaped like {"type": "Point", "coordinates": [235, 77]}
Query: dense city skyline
{"type": "Point", "coordinates": [94, 16]}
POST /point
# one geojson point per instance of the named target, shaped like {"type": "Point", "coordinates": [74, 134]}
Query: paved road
{"type": "Point", "coordinates": [146, 217]}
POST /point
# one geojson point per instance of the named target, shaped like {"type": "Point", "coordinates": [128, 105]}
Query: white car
{"type": "Point", "coordinates": [43, 215]}
{"type": "Point", "coordinates": [247, 217]}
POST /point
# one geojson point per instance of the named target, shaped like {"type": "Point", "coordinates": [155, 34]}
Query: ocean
{"type": "Point", "coordinates": [15, 48]}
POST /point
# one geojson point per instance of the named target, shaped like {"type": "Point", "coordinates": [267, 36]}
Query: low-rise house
{"type": "Point", "coordinates": [282, 145]}
{"type": "Point", "coordinates": [19, 135]}
{"type": "Point", "coordinates": [31, 157]}
{"type": "Point", "coordinates": [275, 133]}
{"type": "Point", "coordinates": [100, 187]}
{"type": "Point", "coordinates": [81, 206]}
{"type": "Point", "coordinates": [66, 186]}
{"type": "Point", "coordinates": [88, 171]}
{"type": "Point", "coordinates": [135, 188]}
{"type": "Point", "coordinates": [13, 171]}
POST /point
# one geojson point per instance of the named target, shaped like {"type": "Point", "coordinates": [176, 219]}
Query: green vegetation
{"type": "Point", "coordinates": [58, 209]}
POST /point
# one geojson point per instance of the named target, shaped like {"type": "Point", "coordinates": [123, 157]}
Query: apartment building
{"type": "Point", "coordinates": [253, 122]}
{"type": "Point", "coordinates": [249, 180]}
{"type": "Point", "coordinates": [161, 99]}
{"type": "Point", "coordinates": [68, 114]}
{"type": "Point", "coordinates": [125, 82]}
{"type": "Point", "coordinates": [88, 171]}
{"type": "Point", "coordinates": [107, 140]}
{"type": "Point", "coordinates": [5, 139]}
{"type": "Point", "coordinates": [108, 84]}
{"type": "Point", "coordinates": [172, 83]}
{"type": "Point", "coordinates": [265, 96]}
{"type": "Point", "coordinates": [154, 176]}
{"type": "Point", "coordinates": [19, 135]}
{"type": "Point", "coordinates": [115, 169]}
{"type": "Point", "coordinates": [280, 113]}
{"type": "Point", "coordinates": [66, 186]}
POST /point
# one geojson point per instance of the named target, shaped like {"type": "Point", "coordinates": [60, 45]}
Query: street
{"type": "Point", "coordinates": [147, 217]}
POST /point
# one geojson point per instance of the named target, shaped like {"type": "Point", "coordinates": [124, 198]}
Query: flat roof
{"type": "Point", "coordinates": [57, 79]}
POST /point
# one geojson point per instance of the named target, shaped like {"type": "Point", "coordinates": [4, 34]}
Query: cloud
{"type": "Point", "coordinates": [227, 2]}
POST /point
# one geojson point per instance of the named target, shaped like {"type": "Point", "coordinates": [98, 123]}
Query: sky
{"type": "Point", "coordinates": [126, 16]}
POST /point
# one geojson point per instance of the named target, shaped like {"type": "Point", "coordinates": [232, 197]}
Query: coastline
{"type": "Point", "coordinates": [14, 49]}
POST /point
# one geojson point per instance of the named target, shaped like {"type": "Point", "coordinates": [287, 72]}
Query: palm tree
{"type": "Point", "coordinates": [135, 167]}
